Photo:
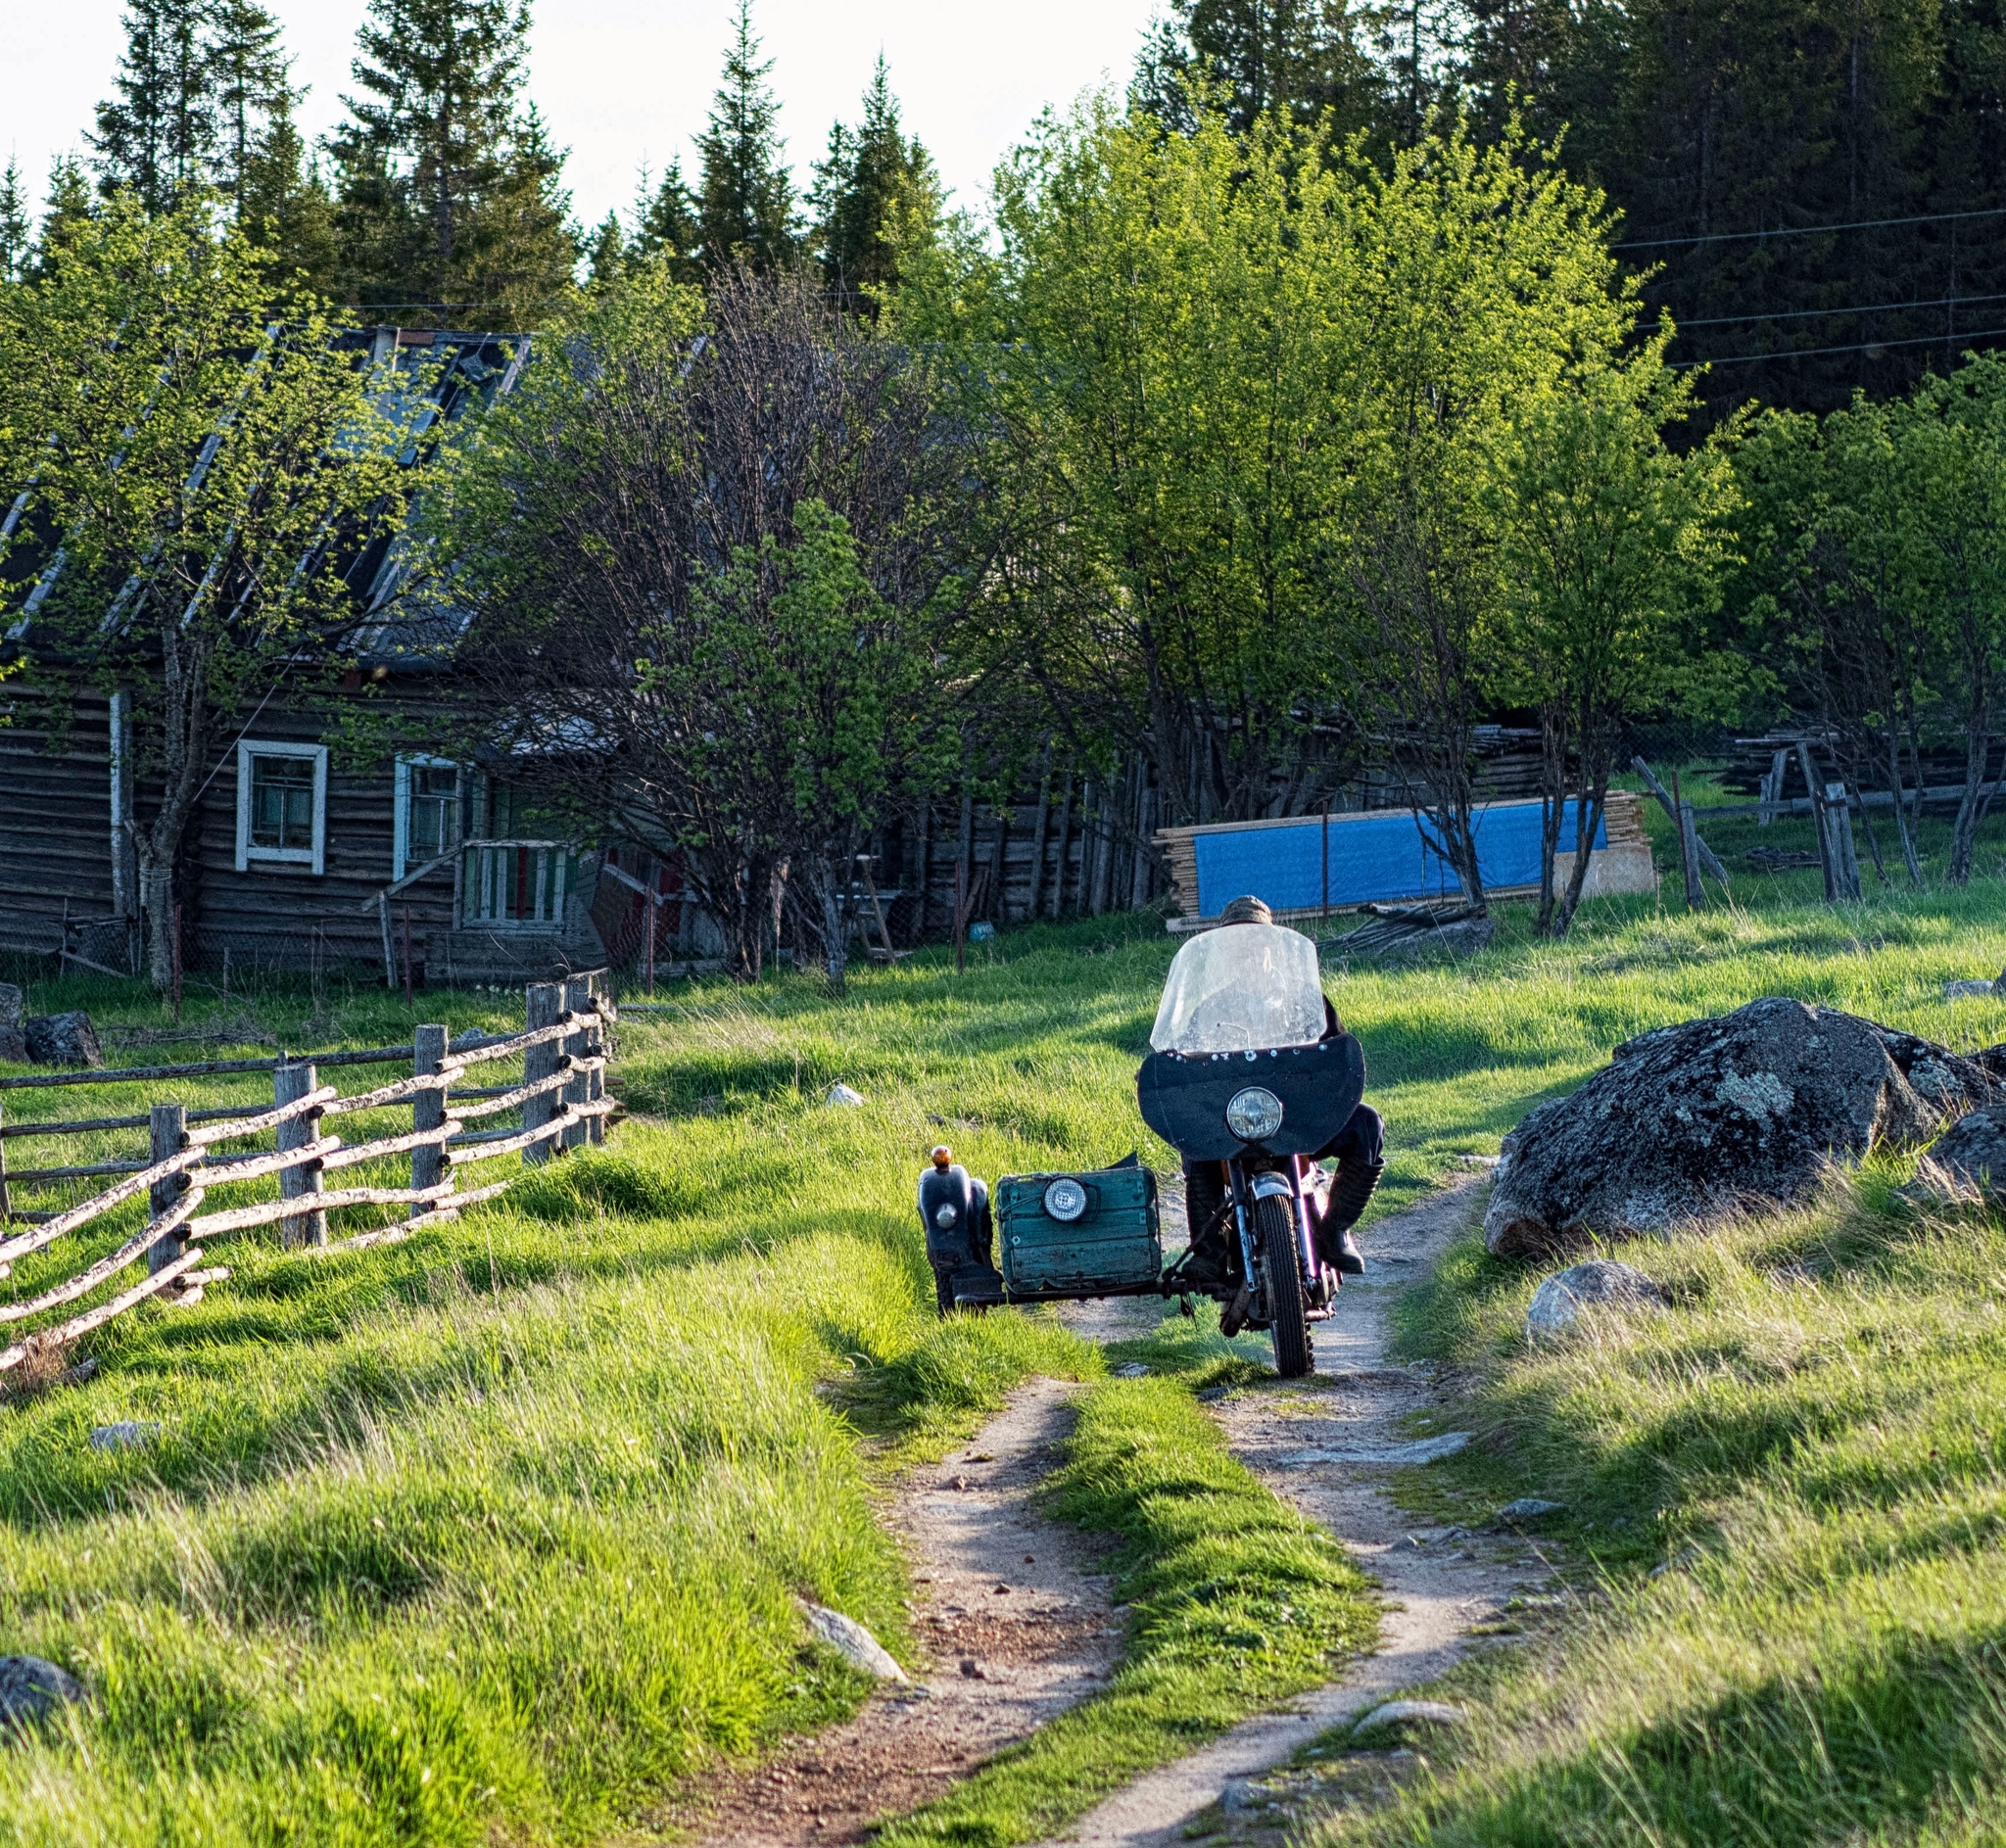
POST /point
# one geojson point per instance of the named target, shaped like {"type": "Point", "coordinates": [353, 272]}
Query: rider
{"type": "Point", "coordinates": [1335, 1202]}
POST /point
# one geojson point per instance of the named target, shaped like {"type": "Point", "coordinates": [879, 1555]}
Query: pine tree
{"type": "Point", "coordinates": [158, 135]}
{"type": "Point", "coordinates": [666, 225]}
{"type": "Point", "coordinates": [746, 201]}
{"type": "Point", "coordinates": [70, 207]}
{"type": "Point", "coordinates": [252, 86]}
{"type": "Point", "coordinates": [15, 231]}
{"type": "Point", "coordinates": [429, 138]}
{"type": "Point", "coordinates": [285, 208]}
{"type": "Point", "coordinates": [876, 195]}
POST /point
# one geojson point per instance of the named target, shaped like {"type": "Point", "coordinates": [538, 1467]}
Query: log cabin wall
{"type": "Point", "coordinates": [55, 822]}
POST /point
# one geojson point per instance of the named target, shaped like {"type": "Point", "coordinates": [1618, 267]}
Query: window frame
{"type": "Point", "coordinates": [247, 852]}
{"type": "Point", "coordinates": [400, 805]}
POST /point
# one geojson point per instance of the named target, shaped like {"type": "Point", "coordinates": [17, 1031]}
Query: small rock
{"type": "Point", "coordinates": [1968, 1160]}
{"type": "Point", "coordinates": [126, 1434]}
{"type": "Point", "coordinates": [30, 1689]}
{"type": "Point", "coordinates": [63, 1040]}
{"type": "Point", "coordinates": [1135, 1370]}
{"type": "Point", "coordinates": [1678, 1562]}
{"type": "Point", "coordinates": [1212, 1394]}
{"type": "Point", "coordinates": [1599, 1283]}
{"type": "Point", "coordinates": [850, 1640]}
{"type": "Point", "coordinates": [971, 1668]}
{"type": "Point", "coordinates": [1399, 1713]}
{"type": "Point", "coordinates": [1968, 990]}
{"type": "Point", "coordinates": [1529, 1508]}
{"type": "Point", "coordinates": [842, 1094]}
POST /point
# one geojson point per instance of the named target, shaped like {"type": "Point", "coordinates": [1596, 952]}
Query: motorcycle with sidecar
{"type": "Point", "coordinates": [1241, 1071]}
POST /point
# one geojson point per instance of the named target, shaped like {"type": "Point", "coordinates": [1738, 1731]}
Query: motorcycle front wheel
{"type": "Point", "coordinates": [1281, 1273]}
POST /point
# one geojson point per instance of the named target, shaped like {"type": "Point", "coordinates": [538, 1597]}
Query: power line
{"type": "Point", "coordinates": [1804, 230]}
{"type": "Point", "coordinates": [1805, 314]}
{"type": "Point", "coordinates": [1863, 346]}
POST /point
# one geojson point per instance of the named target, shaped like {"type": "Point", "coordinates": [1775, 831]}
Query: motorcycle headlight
{"type": "Point", "coordinates": [945, 1214]}
{"type": "Point", "coordinates": [1065, 1201]}
{"type": "Point", "coordinates": [1253, 1115]}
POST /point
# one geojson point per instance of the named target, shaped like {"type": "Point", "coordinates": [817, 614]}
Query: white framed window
{"type": "Point", "coordinates": [427, 813]}
{"type": "Point", "coordinates": [281, 804]}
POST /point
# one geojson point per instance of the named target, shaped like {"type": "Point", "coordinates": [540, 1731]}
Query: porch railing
{"type": "Point", "coordinates": [512, 885]}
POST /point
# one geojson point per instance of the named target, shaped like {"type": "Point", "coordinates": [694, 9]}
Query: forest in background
{"type": "Point", "coordinates": [1301, 406]}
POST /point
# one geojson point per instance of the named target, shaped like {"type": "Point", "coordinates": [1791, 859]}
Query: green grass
{"type": "Point", "coordinates": [493, 1535]}
{"type": "Point", "coordinates": [1234, 1600]}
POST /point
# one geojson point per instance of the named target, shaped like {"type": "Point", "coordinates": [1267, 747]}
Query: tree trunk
{"type": "Point", "coordinates": [1059, 870]}
{"type": "Point", "coordinates": [1553, 812]}
{"type": "Point", "coordinates": [1970, 806]}
{"type": "Point", "coordinates": [1901, 819]}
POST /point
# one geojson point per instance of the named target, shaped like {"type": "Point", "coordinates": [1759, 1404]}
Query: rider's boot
{"type": "Point", "coordinates": [1206, 1265]}
{"type": "Point", "coordinates": [1351, 1190]}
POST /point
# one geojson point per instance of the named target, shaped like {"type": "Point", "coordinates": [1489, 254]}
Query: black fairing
{"type": "Point", "coordinates": [1184, 1099]}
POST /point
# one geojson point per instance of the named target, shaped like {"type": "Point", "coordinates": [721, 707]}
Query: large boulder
{"type": "Point", "coordinates": [64, 1039]}
{"type": "Point", "coordinates": [1688, 1123]}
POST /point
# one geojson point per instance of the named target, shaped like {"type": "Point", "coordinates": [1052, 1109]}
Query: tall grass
{"type": "Point", "coordinates": [494, 1533]}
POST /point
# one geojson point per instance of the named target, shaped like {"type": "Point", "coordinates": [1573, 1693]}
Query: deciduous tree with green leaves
{"type": "Point", "coordinates": [195, 473]}
{"type": "Point", "coordinates": [707, 548]}
{"type": "Point", "coordinates": [1612, 548]}
{"type": "Point", "coordinates": [1159, 360]}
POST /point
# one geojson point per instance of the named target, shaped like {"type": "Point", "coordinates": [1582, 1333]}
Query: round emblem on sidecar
{"type": "Point", "coordinates": [1253, 1115]}
{"type": "Point", "coordinates": [1065, 1201]}
{"type": "Point", "coordinates": [945, 1214]}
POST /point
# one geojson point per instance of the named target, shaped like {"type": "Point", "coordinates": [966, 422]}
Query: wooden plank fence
{"type": "Point", "coordinates": [561, 1100]}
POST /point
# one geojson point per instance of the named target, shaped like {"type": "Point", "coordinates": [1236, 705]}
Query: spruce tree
{"type": "Point", "coordinates": [605, 253]}
{"type": "Point", "coordinates": [429, 138]}
{"type": "Point", "coordinates": [15, 231]}
{"type": "Point", "coordinates": [285, 207]}
{"type": "Point", "coordinates": [519, 253]}
{"type": "Point", "coordinates": [666, 225]}
{"type": "Point", "coordinates": [72, 207]}
{"type": "Point", "coordinates": [159, 134]}
{"type": "Point", "coordinates": [1298, 57]}
{"type": "Point", "coordinates": [745, 209]}
{"type": "Point", "coordinates": [876, 195]}
{"type": "Point", "coordinates": [251, 85]}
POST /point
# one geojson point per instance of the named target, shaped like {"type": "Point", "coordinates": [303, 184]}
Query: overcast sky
{"type": "Point", "coordinates": [622, 82]}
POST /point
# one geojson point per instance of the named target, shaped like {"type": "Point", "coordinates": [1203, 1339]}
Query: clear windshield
{"type": "Point", "coordinates": [1240, 988]}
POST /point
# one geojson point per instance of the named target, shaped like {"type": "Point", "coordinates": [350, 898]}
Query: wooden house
{"type": "Point", "coordinates": [303, 855]}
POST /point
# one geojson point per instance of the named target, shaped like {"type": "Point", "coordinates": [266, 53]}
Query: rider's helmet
{"type": "Point", "coordinates": [1246, 910]}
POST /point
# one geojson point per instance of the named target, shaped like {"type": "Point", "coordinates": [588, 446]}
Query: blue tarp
{"type": "Point", "coordinates": [1372, 858]}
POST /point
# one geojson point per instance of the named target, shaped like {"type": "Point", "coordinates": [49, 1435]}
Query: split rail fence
{"type": "Point", "coordinates": [561, 1098]}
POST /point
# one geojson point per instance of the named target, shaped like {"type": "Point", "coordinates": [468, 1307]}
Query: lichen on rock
{"type": "Point", "coordinates": [1689, 1123]}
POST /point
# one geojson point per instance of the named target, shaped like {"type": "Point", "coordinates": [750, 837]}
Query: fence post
{"type": "Point", "coordinates": [1844, 854]}
{"type": "Point", "coordinates": [289, 1084]}
{"type": "Point", "coordinates": [595, 1043]}
{"type": "Point", "coordinates": [542, 1002]}
{"type": "Point", "coordinates": [6, 1201]}
{"type": "Point", "coordinates": [429, 1161]}
{"type": "Point", "coordinates": [167, 1124]}
{"type": "Point", "coordinates": [578, 1002]}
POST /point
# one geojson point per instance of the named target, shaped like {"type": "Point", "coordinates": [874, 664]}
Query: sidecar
{"type": "Point", "coordinates": [1041, 1238]}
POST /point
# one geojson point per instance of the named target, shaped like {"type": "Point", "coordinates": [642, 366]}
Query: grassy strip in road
{"type": "Point", "coordinates": [1236, 1602]}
